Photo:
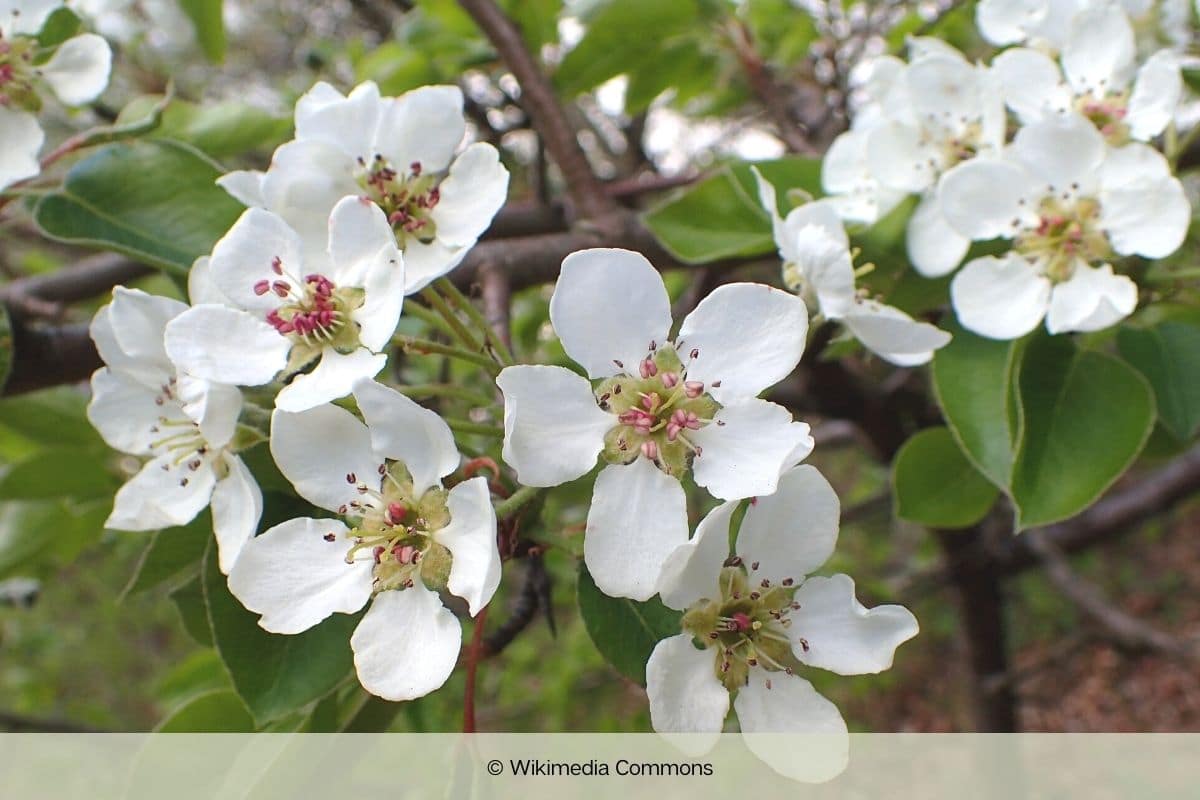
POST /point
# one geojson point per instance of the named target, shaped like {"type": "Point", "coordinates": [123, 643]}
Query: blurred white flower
{"type": "Point", "coordinates": [410, 539]}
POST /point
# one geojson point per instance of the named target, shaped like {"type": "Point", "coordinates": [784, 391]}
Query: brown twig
{"type": "Point", "coordinates": [548, 117]}
{"type": "Point", "coordinates": [88, 278]}
{"type": "Point", "coordinates": [497, 301]}
{"type": "Point", "coordinates": [769, 92]}
{"type": "Point", "coordinates": [473, 655]}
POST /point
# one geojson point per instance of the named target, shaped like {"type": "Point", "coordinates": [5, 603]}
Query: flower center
{"type": "Point", "coordinates": [950, 145]}
{"type": "Point", "coordinates": [1107, 112]}
{"type": "Point", "coordinates": [408, 198]}
{"type": "Point", "coordinates": [177, 435]}
{"type": "Point", "coordinates": [397, 528]}
{"type": "Point", "coordinates": [315, 314]}
{"type": "Point", "coordinates": [656, 412]}
{"type": "Point", "coordinates": [746, 625]}
{"type": "Point", "coordinates": [17, 74]}
{"type": "Point", "coordinates": [1067, 232]}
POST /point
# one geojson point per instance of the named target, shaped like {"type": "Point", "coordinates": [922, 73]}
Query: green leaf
{"type": "Point", "coordinates": [55, 416]}
{"type": "Point", "coordinates": [973, 380]}
{"type": "Point", "coordinates": [537, 19]}
{"type": "Point", "coordinates": [210, 26]}
{"type": "Point", "coordinates": [275, 675]}
{"type": "Point", "coordinates": [189, 602]}
{"type": "Point", "coordinates": [219, 130]}
{"type": "Point", "coordinates": [57, 472]}
{"type": "Point", "coordinates": [720, 217]}
{"type": "Point", "coordinates": [611, 45]}
{"type": "Point", "coordinates": [1168, 355]}
{"type": "Point", "coordinates": [1086, 417]}
{"type": "Point", "coordinates": [936, 486]}
{"type": "Point", "coordinates": [221, 711]}
{"type": "Point", "coordinates": [153, 200]}
{"type": "Point", "coordinates": [624, 631]}
{"type": "Point", "coordinates": [171, 553]}
{"type": "Point", "coordinates": [26, 528]}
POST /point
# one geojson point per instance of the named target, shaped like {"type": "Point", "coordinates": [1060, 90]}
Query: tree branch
{"type": "Point", "coordinates": [539, 101]}
{"type": "Point", "coordinates": [88, 278]}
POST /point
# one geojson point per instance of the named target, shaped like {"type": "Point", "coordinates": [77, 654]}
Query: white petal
{"type": "Point", "coordinates": [1130, 166]}
{"type": "Point", "coordinates": [1006, 21]}
{"type": "Point", "coordinates": [244, 256]}
{"type": "Point", "coordinates": [402, 429]}
{"type": "Point", "coordinates": [608, 306]}
{"type": "Point", "coordinates": [1149, 218]}
{"type": "Point", "coordinates": [935, 248]}
{"type": "Point", "coordinates": [1155, 95]}
{"type": "Point", "coordinates": [26, 17]}
{"type": "Point", "coordinates": [294, 577]}
{"type": "Point", "coordinates": [844, 636]}
{"type": "Point", "coordinates": [226, 345]}
{"type": "Point", "coordinates": [363, 253]}
{"type": "Point", "coordinates": [304, 183]}
{"type": "Point", "coordinates": [23, 140]}
{"type": "Point", "coordinates": [685, 695]}
{"type": "Point", "coordinates": [1063, 151]}
{"type": "Point", "coordinates": [845, 165]}
{"type": "Point", "coordinates": [553, 429]}
{"type": "Point", "coordinates": [425, 125]}
{"type": "Point", "coordinates": [945, 88]}
{"type": "Point", "coordinates": [471, 194]}
{"type": "Point", "coordinates": [691, 570]}
{"type": "Point", "coordinates": [638, 517]}
{"type": "Point", "coordinates": [201, 289]}
{"type": "Point", "coordinates": [124, 411]}
{"type": "Point", "coordinates": [770, 204]}
{"type": "Point", "coordinates": [236, 509]}
{"type": "Point", "coordinates": [792, 706]}
{"type": "Point", "coordinates": [407, 644]}
{"type": "Point", "coordinates": [348, 124]}
{"type": "Point", "coordinates": [1000, 298]}
{"type": "Point", "coordinates": [471, 540]}
{"type": "Point", "coordinates": [163, 494]}
{"type": "Point", "coordinates": [746, 449]}
{"type": "Point", "coordinates": [138, 320]}
{"type": "Point", "coordinates": [893, 335]}
{"type": "Point", "coordinates": [826, 269]}
{"type": "Point", "coordinates": [982, 198]}
{"type": "Point", "coordinates": [1031, 83]}
{"type": "Point", "coordinates": [215, 407]}
{"type": "Point", "coordinates": [792, 532]}
{"type": "Point", "coordinates": [424, 263]}
{"type": "Point", "coordinates": [319, 450]}
{"type": "Point", "coordinates": [332, 378]}
{"type": "Point", "coordinates": [1092, 300]}
{"type": "Point", "coordinates": [245, 186]}
{"type": "Point", "coordinates": [899, 157]}
{"type": "Point", "coordinates": [79, 69]}
{"type": "Point", "coordinates": [1100, 51]}
{"type": "Point", "coordinates": [748, 336]}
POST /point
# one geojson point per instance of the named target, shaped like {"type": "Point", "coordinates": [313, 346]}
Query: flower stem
{"type": "Point", "coordinates": [429, 317]}
{"type": "Point", "coordinates": [474, 653]}
{"type": "Point", "coordinates": [511, 505]}
{"type": "Point", "coordinates": [412, 344]}
{"type": "Point", "coordinates": [446, 390]}
{"type": "Point", "coordinates": [464, 303]}
{"type": "Point", "coordinates": [465, 337]}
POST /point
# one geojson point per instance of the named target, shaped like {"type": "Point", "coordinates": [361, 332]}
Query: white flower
{"type": "Point", "coordinates": [410, 538]}
{"type": "Point", "coordinates": [752, 621]}
{"type": "Point", "coordinates": [1047, 24]}
{"type": "Point", "coordinates": [1068, 202]}
{"type": "Point", "coordinates": [398, 151]}
{"type": "Point", "coordinates": [1099, 62]}
{"type": "Point", "coordinates": [659, 406]}
{"type": "Point", "coordinates": [76, 73]}
{"type": "Point", "coordinates": [185, 426]}
{"type": "Point", "coordinates": [817, 264]}
{"type": "Point", "coordinates": [284, 314]}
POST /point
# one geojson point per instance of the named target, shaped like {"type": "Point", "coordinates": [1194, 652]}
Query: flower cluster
{"type": "Point", "coordinates": [76, 73]}
{"type": "Point", "coordinates": [1074, 189]}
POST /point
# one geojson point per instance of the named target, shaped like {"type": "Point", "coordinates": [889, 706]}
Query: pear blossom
{"type": "Point", "coordinates": [407, 539]}
{"type": "Point", "coordinates": [284, 314]}
{"type": "Point", "coordinates": [185, 426]}
{"type": "Point", "coordinates": [660, 407]}
{"type": "Point", "coordinates": [818, 265]}
{"type": "Point", "coordinates": [76, 74]}
{"type": "Point", "coordinates": [399, 152]}
{"type": "Point", "coordinates": [1102, 79]}
{"type": "Point", "coordinates": [752, 621]}
{"type": "Point", "coordinates": [1071, 205]}
{"type": "Point", "coordinates": [1047, 24]}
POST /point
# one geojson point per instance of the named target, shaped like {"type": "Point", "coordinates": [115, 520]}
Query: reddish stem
{"type": "Point", "coordinates": [473, 656]}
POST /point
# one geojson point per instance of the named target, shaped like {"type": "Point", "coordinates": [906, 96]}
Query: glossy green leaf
{"type": "Point", "coordinates": [275, 675]}
{"type": "Point", "coordinates": [973, 380]}
{"type": "Point", "coordinates": [189, 602]}
{"type": "Point", "coordinates": [936, 486]}
{"type": "Point", "coordinates": [153, 200]}
{"type": "Point", "coordinates": [1086, 416]}
{"type": "Point", "coordinates": [1168, 355]}
{"type": "Point", "coordinates": [624, 631]}
{"type": "Point", "coordinates": [57, 472]}
{"type": "Point", "coordinates": [171, 553]}
{"type": "Point", "coordinates": [537, 19]}
{"type": "Point", "coordinates": [27, 526]}
{"type": "Point", "coordinates": [210, 26]}
{"type": "Point", "coordinates": [221, 711]}
{"type": "Point", "coordinates": [219, 130]}
{"type": "Point", "coordinates": [720, 217]}
{"type": "Point", "coordinates": [55, 416]}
